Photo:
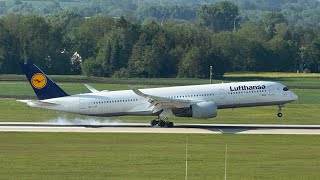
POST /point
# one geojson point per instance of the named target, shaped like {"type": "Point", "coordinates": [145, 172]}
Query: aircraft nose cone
{"type": "Point", "coordinates": [294, 96]}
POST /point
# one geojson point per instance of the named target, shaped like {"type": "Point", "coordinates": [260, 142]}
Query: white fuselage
{"type": "Point", "coordinates": [126, 102]}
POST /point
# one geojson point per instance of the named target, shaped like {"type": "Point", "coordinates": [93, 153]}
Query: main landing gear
{"type": "Point", "coordinates": [280, 110]}
{"type": "Point", "coordinates": [161, 122]}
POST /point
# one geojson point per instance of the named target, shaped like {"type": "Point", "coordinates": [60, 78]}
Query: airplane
{"type": "Point", "coordinates": [195, 101]}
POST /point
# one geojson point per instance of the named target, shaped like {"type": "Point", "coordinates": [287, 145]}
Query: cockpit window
{"type": "Point", "coordinates": [285, 89]}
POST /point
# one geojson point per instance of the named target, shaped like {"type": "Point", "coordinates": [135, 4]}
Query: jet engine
{"type": "Point", "coordinates": [198, 110]}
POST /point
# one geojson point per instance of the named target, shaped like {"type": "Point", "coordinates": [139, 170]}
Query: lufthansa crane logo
{"type": "Point", "coordinates": [38, 81]}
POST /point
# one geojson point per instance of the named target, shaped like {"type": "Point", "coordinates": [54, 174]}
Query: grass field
{"type": "Point", "coordinates": [23, 88]}
{"type": "Point", "coordinates": [273, 75]}
{"type": "Point", "coordinates": [154, 156]}
{"type": "Point", "coordinates": [290, 79]}
{"type": "Point", "coordinates": [18, 88]}
{"type": "Point", "coordinates": [159, 156]}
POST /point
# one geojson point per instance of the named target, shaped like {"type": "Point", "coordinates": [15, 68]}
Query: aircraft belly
{"type": "Point", "coordinates": [140, 113]}
{"type": "Point", "coordinates": [251, 104]}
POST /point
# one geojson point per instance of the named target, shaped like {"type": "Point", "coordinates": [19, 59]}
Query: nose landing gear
{"type": "Point", "coordinates": [161, 122]}
{"type": "Point", "coordinates": [280, 110]}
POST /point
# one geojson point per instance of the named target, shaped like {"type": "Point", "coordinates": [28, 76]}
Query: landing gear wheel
{"type": "Point", "coordinates": [153, 122]}
{"type": "Point", "coordinates": [161, 123]}
{"type": "Point", "coordinates": [170, 124]}
{"type": "Point", "coordinates": [279, 111]}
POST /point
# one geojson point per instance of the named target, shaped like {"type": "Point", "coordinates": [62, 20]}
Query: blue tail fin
{"type": "Point", "coordinates": [43, 86]}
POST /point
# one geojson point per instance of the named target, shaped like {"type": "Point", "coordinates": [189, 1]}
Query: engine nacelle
{"type": "Point", "coordinates": [199, 110]}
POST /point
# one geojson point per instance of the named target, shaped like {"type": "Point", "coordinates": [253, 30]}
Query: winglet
{"type": "Point", "coordinates": [91, 88]}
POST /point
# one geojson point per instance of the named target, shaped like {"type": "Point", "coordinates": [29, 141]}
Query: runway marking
{"type": "Point", "coordinates": [145, 128]}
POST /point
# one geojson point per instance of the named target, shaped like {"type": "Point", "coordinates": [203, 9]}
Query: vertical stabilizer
{"type": "Point", "coordinates": [42, 85]}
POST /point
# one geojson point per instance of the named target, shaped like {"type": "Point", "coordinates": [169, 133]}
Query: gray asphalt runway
{"type": "Point", "coordinates": [146, 128]}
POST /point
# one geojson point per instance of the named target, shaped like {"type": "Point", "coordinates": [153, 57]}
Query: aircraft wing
{"type": "Point", "coordinates": [160, 103]}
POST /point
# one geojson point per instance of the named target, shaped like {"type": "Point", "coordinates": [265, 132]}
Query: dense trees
{"type": "Point", "coordinates": [221, 16]}
{"type": "Point", "coordinates": [311, 56]}
{"type": "Point", "coordinates": [69, 43]}
{"type": "Point", "coordinates": [32, 38]}
{"type": "Point", "coordinates": [297, 12]}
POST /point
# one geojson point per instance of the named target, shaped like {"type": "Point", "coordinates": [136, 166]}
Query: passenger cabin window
{"type": "Point", "coordinates": [285, 89]}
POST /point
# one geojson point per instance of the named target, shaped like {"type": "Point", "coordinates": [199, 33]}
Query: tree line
{"type": "Point", "coordinates": [68, 43]}
{"type": "Point", "coordinates": [297, 12]}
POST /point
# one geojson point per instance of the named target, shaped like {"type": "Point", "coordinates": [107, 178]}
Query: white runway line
{"type": "Point", "coordinates": [145, 128]}
{"type": "Point", "coordinates": [282, 131]}
{"type": "Point", "coordinates": [108, 130]}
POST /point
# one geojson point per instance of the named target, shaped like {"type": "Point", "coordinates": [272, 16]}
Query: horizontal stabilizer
{"type": "Point", "coordinates": [37, 102]}
{"type": "Point", "coordinates": [91, 88]}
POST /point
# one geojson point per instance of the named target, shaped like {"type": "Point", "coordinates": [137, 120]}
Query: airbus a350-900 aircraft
{"type": "Point", "coordinates": [197, 101]}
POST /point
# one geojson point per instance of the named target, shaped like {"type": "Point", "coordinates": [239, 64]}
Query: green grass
{"type": "Point", "coordinates": [154, 156]}
{"type": "Point", "coordinates": [297, 81]}
{"type": "Point", "coordinates": [23, 88]}
{"type": "Point", "coordinates": [18, 88]}
{"type": "Point", "coordinates": [273, 75]}
{"type": "Point", "coordinates": [159, 156]}
{"type": "Point", "coordinates": [79, 78]}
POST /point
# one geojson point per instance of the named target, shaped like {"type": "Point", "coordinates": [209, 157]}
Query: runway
{"type": "Point", "coordinates": [146, 128]}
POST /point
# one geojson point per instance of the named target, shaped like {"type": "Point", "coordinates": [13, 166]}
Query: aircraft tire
{"type": "Point", "coordinates": [161, 123]}
{"type": "Point", "coordinates": [170, 124]}
{"type": "Point", "coordinates": [280, 115]}
{"type": "Point", "coordinates": [153, 122]}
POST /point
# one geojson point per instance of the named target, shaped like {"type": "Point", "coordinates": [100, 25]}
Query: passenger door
{"type": "Point", "coordinates": [271, 90]}
{"type": "Point", "coordinates": [82, 103]}
{"type": "Point", "coordinates": [222, 94]}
